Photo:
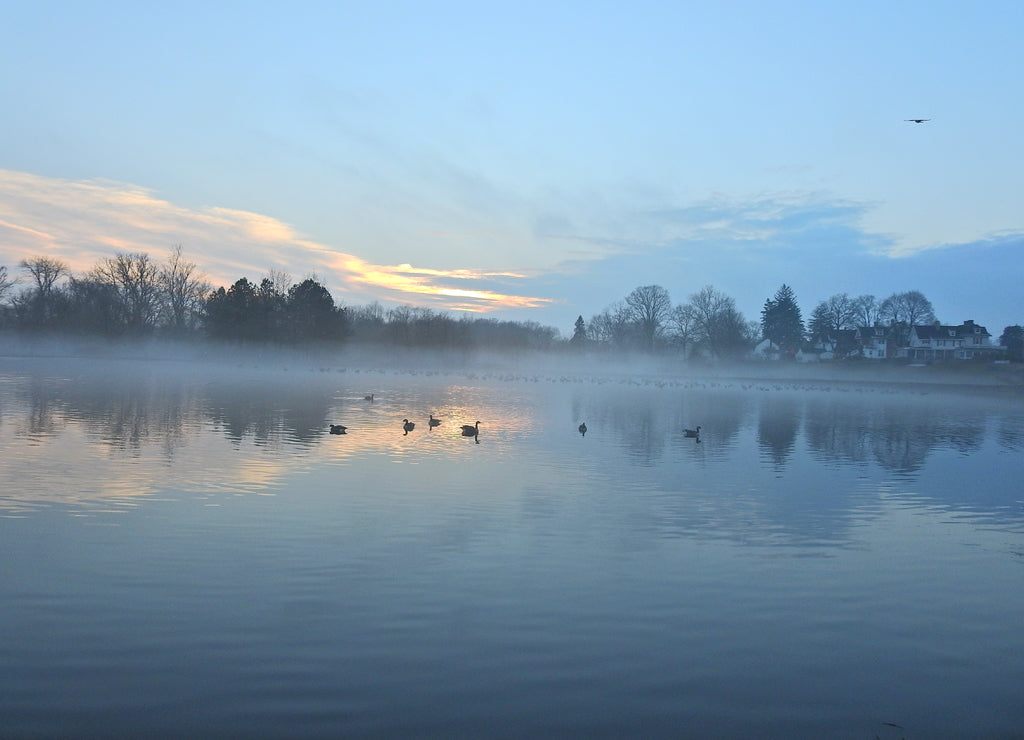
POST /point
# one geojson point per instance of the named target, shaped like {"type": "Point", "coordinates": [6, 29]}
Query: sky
{"type": "Point", "coordinates": [527, 161]}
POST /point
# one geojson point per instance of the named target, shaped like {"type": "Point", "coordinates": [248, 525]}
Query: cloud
{"type": "Point", "coordinates": [593, 255]}
{"type": "Point", "coordinates": [814, 243]}
{"type": "Point", "coordinates": [82, 222]}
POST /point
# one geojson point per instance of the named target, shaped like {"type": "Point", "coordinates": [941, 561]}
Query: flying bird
{"type": "Point", "coordinates": [916, 120]}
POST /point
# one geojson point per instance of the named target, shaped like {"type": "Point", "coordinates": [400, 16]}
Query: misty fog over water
{"type": "Point", "coordinates": [186, 547]}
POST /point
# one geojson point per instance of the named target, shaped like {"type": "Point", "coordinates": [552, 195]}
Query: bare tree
{"type": "Point", "coordinates": [6, 283]}
{"type": "Point", "coordinates": [45, 271]}
{"type": "Point", "coordinates": [183, 291]}
{"type": "Point", "coordinates": [866, 310]}
{"type": "Point", "coordinates": [41, 305]}
{"type": "Point", "coordinates": [832, 314]}
{"type": "Point", "coordinates": [649, 306]}
{"type": "Point", "coordinates": [910, 308]}
{"type": "Point", "coordinates": [614, 326]}
{"type": "Point", "coordinates": [281, 281]}
{"type": "Point", "coordinates": [136, 279]}
{"type": "Point", "coordinates": [683, 326]}
{"type": "Point", "coordinates": [718, 326]}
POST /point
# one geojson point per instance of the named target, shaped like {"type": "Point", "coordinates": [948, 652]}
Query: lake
{"type": "Point", "coordinates": [185, 549]}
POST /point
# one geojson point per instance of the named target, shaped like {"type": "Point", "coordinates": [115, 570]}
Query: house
{"type": "Point", "coordinates": [967, 341]}
{"type": "Point", "coordinates": [874, 342]}
{"type": "Point", "coordinates": [835, 344]}
{"type": "Point", "coordinates": [766, 349]}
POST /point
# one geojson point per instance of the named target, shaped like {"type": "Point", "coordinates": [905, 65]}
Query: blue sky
{"type": "Point", "coordinates": [531, 161]}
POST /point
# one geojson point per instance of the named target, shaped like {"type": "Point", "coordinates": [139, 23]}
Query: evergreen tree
{"type": "Point", "coordinates": [229, 313]}
{"type": "Point", "coordinates": [579, 332]}
{"type": "Point", "coordinates": [781, 322]}
{"type": "Point", "coordinates": [312, 313]}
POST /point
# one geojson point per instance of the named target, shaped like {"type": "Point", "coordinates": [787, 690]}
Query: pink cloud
{"type": "Point", "coordinates": [82, 222]}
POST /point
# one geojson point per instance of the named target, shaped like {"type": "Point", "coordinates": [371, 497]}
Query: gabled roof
{"type": "Point", "coordinates": [966, 329]}
{"type": "Point", "coordinates": [866, 332]}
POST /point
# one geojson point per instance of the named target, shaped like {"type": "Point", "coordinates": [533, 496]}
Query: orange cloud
{"type": "Point", "coordinates": [82, 222]}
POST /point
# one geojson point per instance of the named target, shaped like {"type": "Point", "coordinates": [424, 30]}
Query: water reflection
{"type": "Point", "coordinates": [76, 419]}
{"type": "Point", "coordinates": [778, 424]}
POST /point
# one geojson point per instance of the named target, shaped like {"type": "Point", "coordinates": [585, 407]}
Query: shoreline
{"type": "Point", "coordinates": [1006, 378]}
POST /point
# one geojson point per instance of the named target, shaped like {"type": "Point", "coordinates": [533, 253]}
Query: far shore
{"type": "Point", "coordinates": [1007, 378]}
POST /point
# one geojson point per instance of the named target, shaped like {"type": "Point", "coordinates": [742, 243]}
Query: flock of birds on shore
{"type": "Point", "coordinates": [473, 430]}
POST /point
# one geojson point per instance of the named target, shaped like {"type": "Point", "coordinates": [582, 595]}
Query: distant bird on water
{"type": "Point", "coordinates": [338, 429]}
{"type": "Point", "coordinates": [692, 432]}
{"type": "Point", "coordinates": [368, 398]}
{"type": "Point", "coordinates": [916, 120]}
{"type": "Point", "coordinates": [433, 422]}
{"type": "Point", "coordinates": [407, 425]}
{"type": "Point", "coordinates": [583, 429]}
{"type": "Point", "coordinates": [470, 430]}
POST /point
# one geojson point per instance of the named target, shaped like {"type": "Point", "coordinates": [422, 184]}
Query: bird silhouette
{"type": "Point", "coordinates": [433, 422]}
{"type": "Point", "coordinates": [368, 398]}
{"type": "Point", "coordinates": [338, 429]}
{"type": "Point", "coordinates": [583, 429]}
{"type": "Point", "coordinates": [916, 120]}
{"type": "Point", "coordinates": [470, 430]}
{"type": "Point", "coordinates": [407, 425]}
{"type": "Point", "coordinates": [692, 432]}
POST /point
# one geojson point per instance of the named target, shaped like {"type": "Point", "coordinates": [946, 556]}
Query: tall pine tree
{"type": "Point", "coordinates": [781, 322]}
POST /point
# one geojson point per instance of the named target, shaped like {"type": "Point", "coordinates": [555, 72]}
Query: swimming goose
{"type": "Point", "coordinates": [338, 429]}
{"type": "Point", "coordinates": [583, 429]}
{"type": "Point", "coordinates": [408, 426]}
{"type": "Point", "coordinates": [433, 422]}
{"type": "Point", "coordinates": [691, 432]}
{"type": "Point", "coordinates": [368, 398]}
{"type": "Point", "coordinates": [470, 430]}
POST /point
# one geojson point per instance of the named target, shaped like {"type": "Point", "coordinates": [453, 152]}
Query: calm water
{"type": "Point", "coordinates": [187, 550]}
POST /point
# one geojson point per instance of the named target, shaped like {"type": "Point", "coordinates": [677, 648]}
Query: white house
{"type": "Point", "coordinates": [874, 342]}
{"type": "Point", "coordinates": [936, 342]}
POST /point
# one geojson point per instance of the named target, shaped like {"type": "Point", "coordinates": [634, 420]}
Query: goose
{"type": "Point", "coordinates": [692, 432]}
{"type": "Point", "coordinates": [338, 429]}
{"type": "Point", "coordinates": [433, 422]}
{"type": "Point", "coordinates": [583, 429]}
{"type": "Point", "coordinates": [368, 398]}
{"type": "Point", "coordinates": [407, 425]}
{"type": "Point", "coordinates": [469, 430]}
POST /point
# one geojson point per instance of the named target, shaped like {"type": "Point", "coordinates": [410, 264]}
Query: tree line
{"type": "Point", "coordinates": [709, 325]}
{"type": "Point", "coordinates": [133, 295]}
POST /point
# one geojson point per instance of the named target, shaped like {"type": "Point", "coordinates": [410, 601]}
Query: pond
{"type": "Point", "coordinates": [186, 548]}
